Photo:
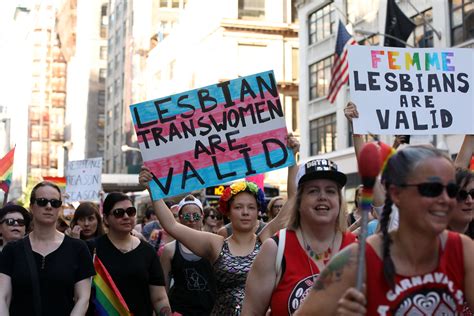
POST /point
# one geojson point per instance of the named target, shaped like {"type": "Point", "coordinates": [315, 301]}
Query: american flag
{"type": "Point", "coordinates": [339, 71]}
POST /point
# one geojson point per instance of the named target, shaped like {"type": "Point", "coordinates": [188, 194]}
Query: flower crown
{"type": "Point", "coordinates": [236, 188]}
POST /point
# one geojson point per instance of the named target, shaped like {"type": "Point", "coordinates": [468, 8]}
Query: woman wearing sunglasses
{"type": "Point", "coordinates": [133, 264]}
{"type": "Point", "coordinates": [419, 268]}
{"type": "Point", "coordinates": [213, 220]}
{"type": "Point", "coordinates": [46, 273]}
{"type": "Point", "coordinates": [193, 290]}
{"type": "Point", "coordinates": [14, 222]}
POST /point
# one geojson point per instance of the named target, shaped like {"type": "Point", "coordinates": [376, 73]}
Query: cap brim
{"type": "Point", "coordinates": [339, 177]}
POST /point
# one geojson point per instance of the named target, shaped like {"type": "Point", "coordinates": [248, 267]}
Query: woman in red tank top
{"type": "Point", "coordinates": [316, 231]}
{"type": "Point", "coordinates": [420, 268]}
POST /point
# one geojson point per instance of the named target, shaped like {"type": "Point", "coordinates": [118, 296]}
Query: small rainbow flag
{"type": "Point", "coordinates": [108, 301]}
{"type": "Point", "coordinates": [6, 170]}
{"type": "Point", "coordinates": [59, 181]}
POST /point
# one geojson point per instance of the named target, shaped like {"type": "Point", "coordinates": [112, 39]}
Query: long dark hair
{"type": "Point", "coordinates": [399, 167]}
{"type": "Point", "coordinates": [86, 209]}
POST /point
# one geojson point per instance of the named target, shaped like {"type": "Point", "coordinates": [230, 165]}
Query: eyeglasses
{"type": "Point", "coordinates": [188, 217]}
{"type": "Point", "coordinates": [463, 195]}
{"type": "Point", "coordinates": [434, 189]}
{"type": "Point", "coordinates": [13, 222]}
{"type": "Point", "coordinates": [120, 212]}
{"type": "Point", "coordinates": [43, 202]}
{"type": "Point", "coordinates": [218, 217]}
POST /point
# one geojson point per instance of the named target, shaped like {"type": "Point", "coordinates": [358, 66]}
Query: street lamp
{"type": "Point", "coordinates": [126, 148]}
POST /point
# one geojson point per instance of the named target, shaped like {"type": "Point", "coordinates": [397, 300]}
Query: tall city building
{"type": "Point", "coordinates": [324, 129]}
{"type": "Point", "coordinates": [215, 41]}
{"type": "Point", "coordinates": [48, 94]}
{"type": "Point", "coordinates": [82, 31]}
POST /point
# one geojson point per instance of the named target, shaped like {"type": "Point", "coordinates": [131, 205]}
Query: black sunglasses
{"type": "Point", "coordinates": [43, 202]}
{"type": "Point", "coordinates": [434, 189]}
{"type": "Point", "coordinates": [218, 217]}
{"type": "Point", "coordinates": [120, 212]}
{"type": "Point", "coordinates": [13, 222]}
{"type": "Point", "coordinates": [463, 194]}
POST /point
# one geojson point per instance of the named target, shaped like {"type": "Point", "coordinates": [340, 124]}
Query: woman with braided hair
{"type": "Point", "coordinates": [419, 268]}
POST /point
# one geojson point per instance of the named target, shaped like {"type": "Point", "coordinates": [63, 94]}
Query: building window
{"type": "Point", "coordinates": [422, 35]}
{"type": "Point", "coordinates": [372, 40]}
{"type": "Point", "coordinates": [321, 24]}
{"type": "Point", "coordinates": [102, 74]}
{"type": "Point", "coordinates": [462, 21]}
{"type": "Point", "coordinates": [103, 53]}
{"type": "Point", "coordinates": [319, 78]}
{"type": "Point", "coordinates": [101, 98]}
{"type": "Point", "coordinates": [323, 135]}
{"type": "Point", "coordinates": [175, 3]}
{"type": "Point", "coordinates": [163, 3]}
{"type": "Point", "coordinates": [251, 9]}
{"type": "Point", "coordinates": [294, 12]}
{"type": "Point", "coordinates": [295, 64]}
{"type": "Point", "coordinates": [295, 114]}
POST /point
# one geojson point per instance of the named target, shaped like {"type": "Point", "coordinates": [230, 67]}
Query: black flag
{"type": "Point", "coordinates": [397, 24]}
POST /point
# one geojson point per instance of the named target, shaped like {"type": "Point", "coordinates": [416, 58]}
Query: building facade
{"type": "Point", "coordinates": [82, 31]}
{"type": "Point", "coordinates": [324, 130]}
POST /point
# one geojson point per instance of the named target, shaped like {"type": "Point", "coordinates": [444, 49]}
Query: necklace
{"type": "Point", "coordinates": [325, 255]}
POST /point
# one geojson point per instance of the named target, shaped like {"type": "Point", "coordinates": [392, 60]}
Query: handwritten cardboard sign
{"type": "Point", "coordinates": [211, 135]}
{"type": "Point", "coordinates": [83, 178]}
{"type": "Point", "coordinates": [412, 91]}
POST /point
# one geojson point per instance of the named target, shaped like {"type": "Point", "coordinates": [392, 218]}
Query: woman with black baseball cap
{"type": "Point", "coordinates": [289, 263]}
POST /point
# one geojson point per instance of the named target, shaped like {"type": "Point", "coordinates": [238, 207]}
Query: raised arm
{"type": "Point", "coordinates": [350, 111]}
{"type": "Point", "coordinates": [282, 217]}
{"type": "Point", "coordinates": [261, 281]}
{"type": "Point", "coordinates": [332, 284]}
{"type": "Point", "coordinates": [203, 244]}
{"type": "Point", "coordinates": [465, 153]}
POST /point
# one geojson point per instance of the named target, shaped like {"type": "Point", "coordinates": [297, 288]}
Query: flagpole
{"type": "Point", "coordinates": [383, 34]}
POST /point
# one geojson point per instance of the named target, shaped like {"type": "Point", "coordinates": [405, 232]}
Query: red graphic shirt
{"type": "Point", "coordinates": [297, 280]}
{"type": "Point", "coordinates": [439, 292]}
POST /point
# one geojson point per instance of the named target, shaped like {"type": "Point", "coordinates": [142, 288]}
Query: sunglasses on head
{"type": "Point", "coordinates": [463, 195]}
{"type": "Point", "coordinates": [43, 202]}
{"type": "Point", "coordinates": [120, 212]}
{"type": "Point", "coordinates": [13, 222]}
{"type": "Point", "coordinates": [188, 217]}
{"type": "Point", "coordinates": [434, 189]}
{"type": "Point", "coordinates": [218, 217]}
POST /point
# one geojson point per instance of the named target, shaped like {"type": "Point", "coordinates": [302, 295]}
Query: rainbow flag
{"type": "Point", "coordinates": [6, 170]}
{"type": "Point", "coordinates": [59, 181]}
{"type": "Point", "coordinates": [108, 301]}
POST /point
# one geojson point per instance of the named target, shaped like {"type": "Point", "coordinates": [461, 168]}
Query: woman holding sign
{"type": "Point", "coordinates": [231, 257]}
{"type": "Point", "coordinates": [418, 268]}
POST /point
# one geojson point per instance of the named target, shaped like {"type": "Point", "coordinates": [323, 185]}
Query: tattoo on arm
{"type": "Point", "coordinates": [333, 272]}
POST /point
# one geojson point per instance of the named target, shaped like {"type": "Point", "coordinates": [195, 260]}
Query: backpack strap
{"type": "Point", "coordinates": [34, 276]}
{"type": "Point", "coordinates": [281, 249]}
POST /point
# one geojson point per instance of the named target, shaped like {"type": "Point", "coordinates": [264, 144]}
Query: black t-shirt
{"type": "Point", "coordinates": [58, 272]}
{"type": "Point", "coordinates": [133, 272]}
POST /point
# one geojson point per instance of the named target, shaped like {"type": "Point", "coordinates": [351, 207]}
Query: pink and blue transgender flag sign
{"type": "Point", "coordinates": [211, 135]}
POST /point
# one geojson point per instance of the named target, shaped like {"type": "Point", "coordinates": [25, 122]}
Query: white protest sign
{"type": "Point", "coordinates": [412, 91]}
{"type": "Point", "coordinates": [83, 178]}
